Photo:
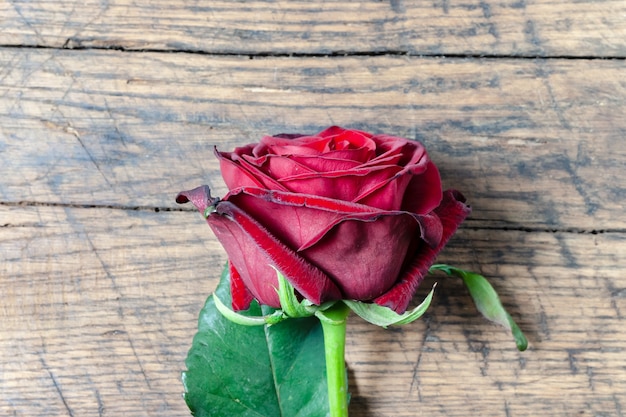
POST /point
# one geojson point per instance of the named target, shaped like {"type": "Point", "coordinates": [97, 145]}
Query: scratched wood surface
{"type": "Point", "coordinates": [477, 27]}
{"type": "Point", "coordinates": [102, 275]}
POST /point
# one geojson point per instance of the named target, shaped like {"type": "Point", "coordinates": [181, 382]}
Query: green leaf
{"type": "Point", "coordinates": [261, 371]}
{"type": "Point", "coordinates": [384, 316]}
{"type": "Point", "coordinates": [486, 300]}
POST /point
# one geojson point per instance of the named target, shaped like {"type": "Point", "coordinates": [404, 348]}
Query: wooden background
{"type": "Point", "coordinates": [109, 108]}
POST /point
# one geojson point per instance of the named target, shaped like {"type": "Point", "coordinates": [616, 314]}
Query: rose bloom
{"type": "Point", "coordinates": [343, 214]}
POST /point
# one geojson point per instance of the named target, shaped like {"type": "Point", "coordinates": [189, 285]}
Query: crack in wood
{"type": "Point", "coordinates": [158, 209]}
{"type": "Point", "coordinates": [76, 45]}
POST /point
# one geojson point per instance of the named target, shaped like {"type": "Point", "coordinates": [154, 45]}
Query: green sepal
{"type": "Point", "coordinates": [276, 317]}
{"type": "Point", "coordinates": [384, 316]}
{"type": "Point", "coordinates": [289, 301]}
{"type": "Point", "coordinates": [486, 300]}
{"type": "Point", "coordinates": [290, 305]}
{"type": "Point", "coordinates": [208, 211]}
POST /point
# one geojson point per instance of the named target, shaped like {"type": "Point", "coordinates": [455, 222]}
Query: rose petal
{"type": "Point", "coordinates": [361, 248]}
{"type": "Point", "coordinates": [303, 145]}
{"type": "Point", "coordinates": [410, 150]}
{"type": "Point", "coordinates": [241, 297]}
{"type": "Point", "coordinates": [361, 155]}
{"type": "Point", "coordinates": [415, 164]}
{"type": "Point", "coordinates": [364, 257]}
{"type": "Point", "coordinates": [342, 185]}
{"type": "Point", "coordinates": [423, 193]}
{"type": "Point", "coordinates": [301, 220]}
{"type": "Point", "coordinates": [334, 142]}
{"type": "Point", "coordinates": [284, 166]}
{"type": "Point", "coordinates": [387, 158]}
{"type": "Point", "coordinates": [200, 197]}
{"type": "Point", "coordinates": [234, 174]}
{"type": "Point", "coordinates": [351, 135]}
{"type": "Point", "coordinates": [252, 249]}
{"type": "Point", "coordinates": [452, 212]}
{"type": "Point", "coordinates": [325, 163]}
{"type": "Point", "coordinates": [238, 172]}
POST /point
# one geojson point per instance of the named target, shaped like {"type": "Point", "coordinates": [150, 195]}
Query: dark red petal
{"type": "Point", "coordinates": [334, 131]}
{"type": "Point", "coordinates": [297, 220]}
{"type": "Point", "coordinates": [423, 193]}
{"type": "Point", "coordinates": [234, 174]}
{"type": "Point", "coordinates": [297, 199]}
{"type": "Point", "coordinates": [415, 166]}
{"type": "Point", "coordinates": [252, 249]}
{"type": "Point", "coordinates": [200, 197]}
{"type": "Point", "coordinates": [352, 139]}
{"type": "Point", "coordinates": [241, 297]}
{"type": "Point", "coordinates": [303, 145]}
{"type": "Point", "coordinates": [284, 166]}
{"type": "Point", "coordinates": [301, 220]}
{"type": "Point", "coordinates": [364, 258]}
{"type": "Point", "coordinates": [324, 163]}
{"type": "Point", "coordinates": [253, 267]}
{"type": "Point", "coordinates": [346, 185]}
{"type": "Point", "coordinates": [452, 212]}
{"type": "Point", "coordinates": [237, 171]}
{"type": "Point", "coordinates": [387, 158]}
{"type": "Point", "coordinates": [361, 155]}
{"type": "Point", "coordinates": [410, 150]}
{"type": "Point", "coordinates": [360, 248]}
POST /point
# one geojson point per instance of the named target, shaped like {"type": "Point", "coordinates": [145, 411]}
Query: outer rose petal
{"type": "Point", "coordinates": [301, 221]}
{"type": "Point", "coordinates": [416, 168]}
{"type": "Point", "coordinates": [241, 297]}
{"type": "Point", "coordinates": [423, 193]}
{"type": "Point", "coordinates": [364, 258]}
{"type": "Point", "coordinates": [200, 197]}
{"type": "Point", "coordinates": [452, 212]}
{"type": "Point", "coordinates": [238, 172]}
{"type": "Point", "coordinates": [360, 248]}
{"type": "Point", "coordinates": [252, 249]}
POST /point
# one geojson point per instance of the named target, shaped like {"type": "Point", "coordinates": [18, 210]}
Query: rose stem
{"type": "Point", "coordinates": [334, 327]}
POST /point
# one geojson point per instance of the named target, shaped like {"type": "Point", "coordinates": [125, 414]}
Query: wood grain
{"type": "Point", "coordinates": [508, 27]}
{"type": "Point", "coordinates": [524, 140]}
{"type": "Point", "coordinates": [100, 305]}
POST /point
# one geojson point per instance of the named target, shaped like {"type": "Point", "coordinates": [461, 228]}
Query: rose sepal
{"type": "Point", "coordinates": [486, 300]}
{"type": "Point", "coordinates": [289, 301]}
{"type": "Point", "coordinates": [384, 316]}
{"type": "Point", "coordinates": [291, 306]}
{"type": "Point", "coordinates": [269, 319]}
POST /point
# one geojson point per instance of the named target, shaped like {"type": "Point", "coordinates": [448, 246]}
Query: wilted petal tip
{"type": "Point", "coordinates": [199, 196]}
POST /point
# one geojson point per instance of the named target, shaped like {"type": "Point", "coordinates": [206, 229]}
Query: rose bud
{"type": "Point", "coordinates": [343, 214]}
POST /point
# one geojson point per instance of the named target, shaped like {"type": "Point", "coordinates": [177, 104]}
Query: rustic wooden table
{"type": "Point", "coordinates": [109, 108]}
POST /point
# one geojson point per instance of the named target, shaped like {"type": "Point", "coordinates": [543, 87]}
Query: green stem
{"type": "Point", "coordinates": [334, 326]}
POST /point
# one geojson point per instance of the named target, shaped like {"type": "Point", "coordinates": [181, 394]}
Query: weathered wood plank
{"type": "Point", "coordinates": [477, 27]}
{"type": "Point", "coordinates": [99, 308]}
{"type": "Point", "coordinates": [533, 144]}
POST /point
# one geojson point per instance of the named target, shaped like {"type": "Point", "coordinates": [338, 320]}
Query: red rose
{"type": "Point", "coordinates": [343, 214]}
